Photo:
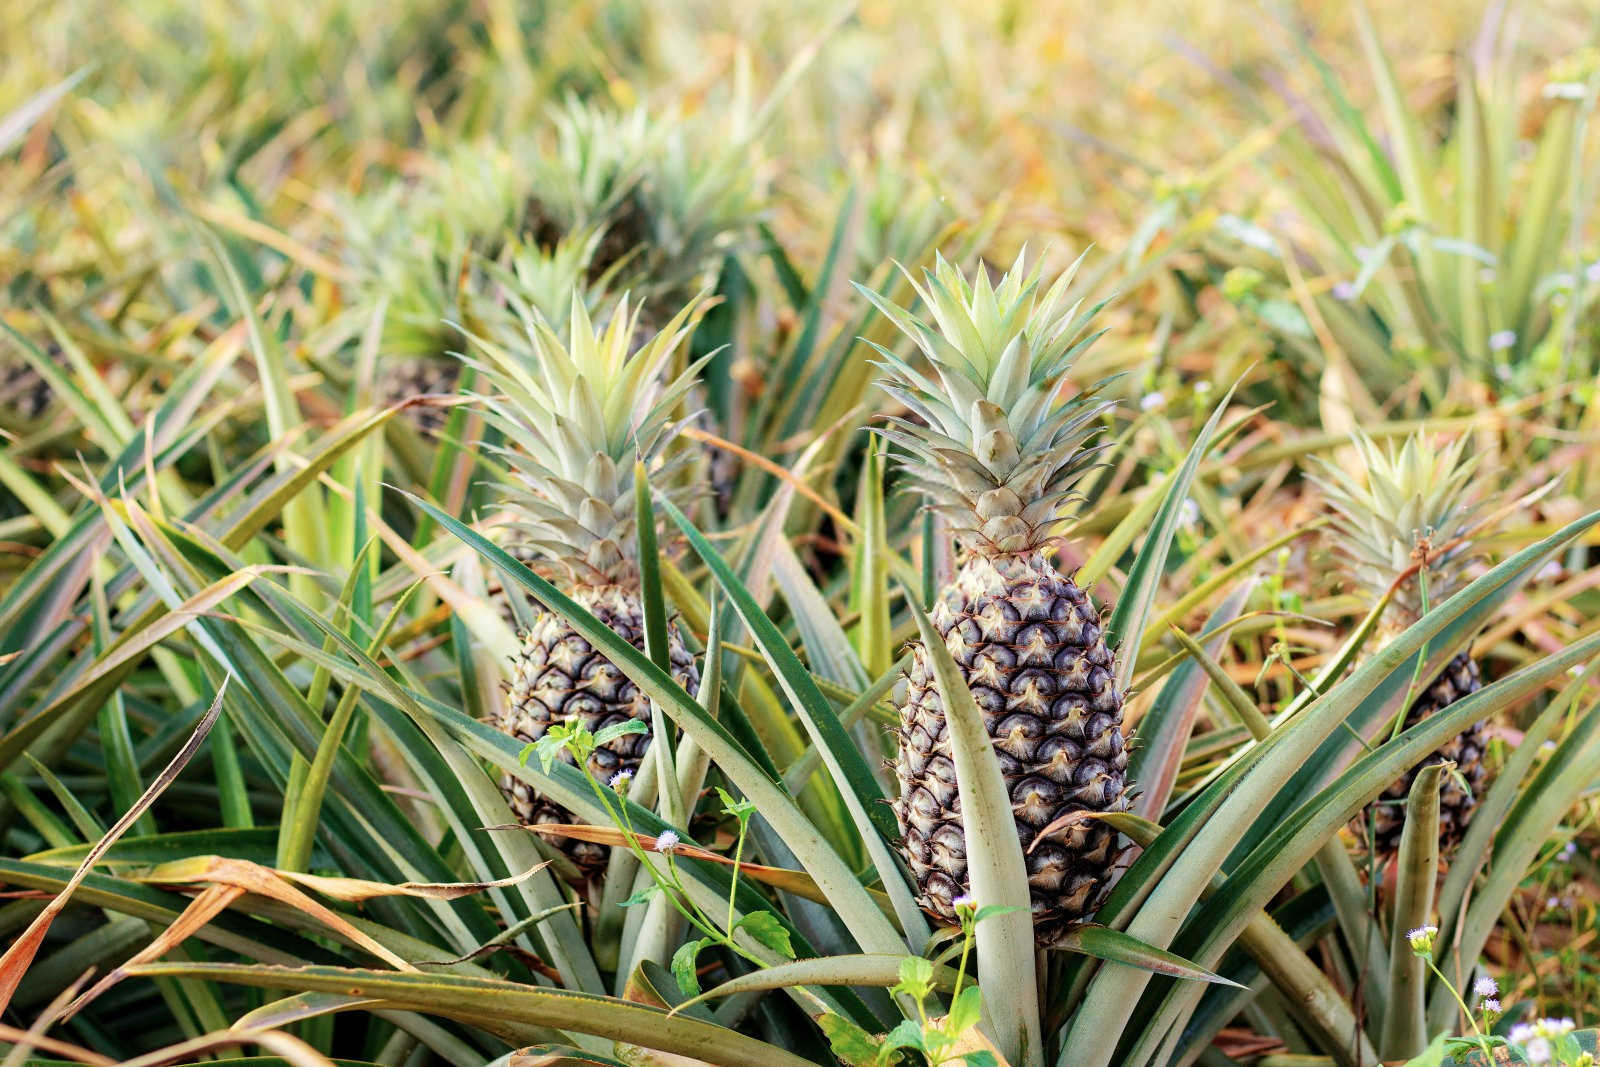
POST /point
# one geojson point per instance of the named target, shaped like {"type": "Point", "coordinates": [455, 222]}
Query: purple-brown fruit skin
{"type": "Point", "coordinates": [1032, 650]}
{"type": "Point", "coordinates": [1386, 816]}
{"type": "Point", "coordinates": [560, 678]}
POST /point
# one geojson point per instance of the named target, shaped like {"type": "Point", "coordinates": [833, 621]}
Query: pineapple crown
{"type": "Point", "coordinates": [536, 281]}
{"type": "Point", "coordinates": [426, 292]}
{"type": "Point", "coordinates": [575, 417]}
{"type": "Point", "coordinates": [417, 244]}
{"type": "Point", "coordinates": [597, 159]}
{"type": "Point", "coordinates": [990, 447]}
{"type": "Point", "coordinates": [1402, 505]}
{"type": "Point", "coordinates": [649, 183]}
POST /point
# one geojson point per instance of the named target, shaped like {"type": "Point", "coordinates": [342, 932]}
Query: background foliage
{"type": "Point", "coordinates": [256, 608]}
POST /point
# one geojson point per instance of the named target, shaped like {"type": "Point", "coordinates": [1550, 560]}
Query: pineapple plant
{"type": "Point", "coordinates": [440, 289]}
{"type": "Point", "coordinates": [575, 416]}
{"type": "Point", "coordinates": [416, 245]}
{"type": "Point", "coordinates": [607, 197]}
{"type": "Point", "coordinates": [997, 458]}
{"type": "Point", "coordinates": [1403, 511]}
{"type": "Point", "coordinates": [663, 198]}
{"type": "Point", "coordinates": [423, 286]}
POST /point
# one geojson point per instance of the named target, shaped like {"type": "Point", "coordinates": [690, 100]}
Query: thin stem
{"type": "Point", "coordinates": [1483, 1043]}
{"type": "Point", "coordinates": [961, 969]}
{"type": "Point", "coordinates": [738, 856]}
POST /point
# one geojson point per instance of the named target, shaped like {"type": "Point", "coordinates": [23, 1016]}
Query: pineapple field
{"type": "Point", "coordinates": [869, 534]}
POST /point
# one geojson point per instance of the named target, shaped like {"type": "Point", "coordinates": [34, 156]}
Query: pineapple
{"type": "Point", "coordinates": [997, 457]}
{"type": "Point", "coordinates": [1401, 505]}
{"type": "Point", "coordinates": [24, 392]}
{"type": "Point", "coordinates": [400, 379]}
{"type": "Point", "coordinates": [575, 417]}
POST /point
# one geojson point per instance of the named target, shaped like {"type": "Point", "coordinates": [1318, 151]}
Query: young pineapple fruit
{"type": "Point", "coordinates": [1400, 505]}
{"type": "Point", "coordinates": [575, 418]}
{"type": "Point", "coordinates": [997, 455]}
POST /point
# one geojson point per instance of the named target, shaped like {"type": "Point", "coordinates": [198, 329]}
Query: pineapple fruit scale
{"type": "Point", "coordinates": [575, 417]}
{"type": "Point", "coordinates": [997, 455]}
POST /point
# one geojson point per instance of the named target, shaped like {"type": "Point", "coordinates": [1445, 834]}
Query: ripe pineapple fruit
{"type": "Point", "coordinates": [1401, 503]}
{"type": "Point", "coordinates": [997, 456]}
{"type": "Point", "coordinates": [575, 417]}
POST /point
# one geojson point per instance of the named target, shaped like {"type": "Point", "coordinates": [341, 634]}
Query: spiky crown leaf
{"type": "Point", "coordinates": [576, 416]}
{"type": "Point", "coordinates": [994, 450]}
{"type": "Point", "coordinates": [1399, 502]}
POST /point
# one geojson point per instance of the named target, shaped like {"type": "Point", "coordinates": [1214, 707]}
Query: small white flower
{"type": "Point", "coordinates": [1491, 1006]}
{"type": "Point", "coordinates": [1552, 902]}
{"type": "Point", "coordinates": [1550, 571]}
{"type": "Point", "coordinates": [1486, 986]}
{"type": "Point", "coordinates": [1501, 340]}
{"type": "Point", "coordinates": [1568, 851]}
{"type": "Point", "coordinates": [1502, 371]}
{"type": "Point", "coordinates": [667, 841]}
{"type": "Point", "coordinates": [1488, 275]}
{"type": "Point", "coordinates": [1188, 514]}
{"type": "Point", "coordinates": [1538, 1050]}
{"type": "Point", "coordinates": [963, 902]}
{"type": "Point", "coordinates": [1153, 401]}
{"type": "Point", "coordinates": [1344, 291]}
{"type": "Point", "coordinates": [1565, 91]}
{"type": "Point", "coordinates": [620, 780]}
{"type": "Point", "coordinates": [1591, 273]}
{"type": "Point", "coordinates": [1520, 1033]}
{"type": "Point", "coordinates": [1422, 939]}
{"type": "Point", "coordinates": [1555, 1027]}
